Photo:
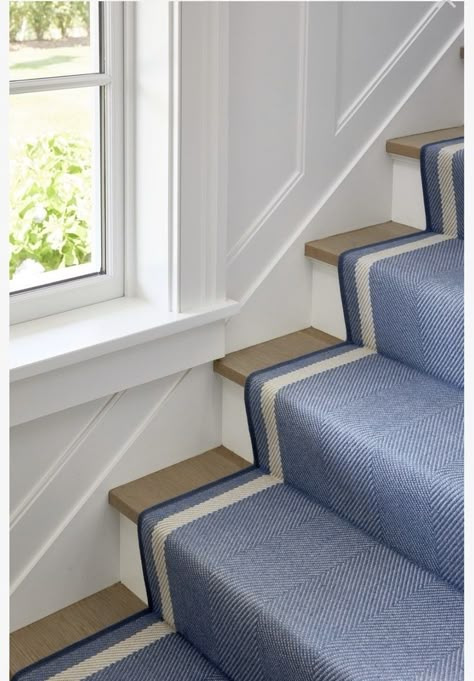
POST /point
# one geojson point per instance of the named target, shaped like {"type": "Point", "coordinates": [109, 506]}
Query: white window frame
{"type": "Point", "coordinates": [174, 309]}
{"type": "Point", "coordinates": [75, 293]}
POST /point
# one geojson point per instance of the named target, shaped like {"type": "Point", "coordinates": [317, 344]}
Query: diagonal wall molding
{"type": "Point", "coordinates": [300, 144]}
{"type": "Point", "coordinates": [348, 168]}
{"type": "Point", "coordinates": [55, 468]}
{"type": "Point", "coordinates": [106, 471]}
{"type": "Point", "coordinates": [343, 119]}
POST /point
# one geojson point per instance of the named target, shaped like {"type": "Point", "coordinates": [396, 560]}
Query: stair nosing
{"type": "Point", "coordinates": [226, 365]}
{"type": "Point", "coordinates": [175, 480]}
{"type": "Point", "coordinates": [329, 249]}
{"type": "Point", "coordinates": [410, 145]}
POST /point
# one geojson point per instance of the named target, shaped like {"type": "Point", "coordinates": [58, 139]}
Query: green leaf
{"type": "Point", "coordinates": [54, 172]}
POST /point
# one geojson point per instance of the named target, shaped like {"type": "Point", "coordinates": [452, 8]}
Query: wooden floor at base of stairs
{"type": "Point", "coordinates": [411, 144]}
{"type": "Point", "coordinates": [71, 624]}
{"type": "Point", "coordinates": [134, 497]}
{"type": "Point", "coordinates": [330, 248]}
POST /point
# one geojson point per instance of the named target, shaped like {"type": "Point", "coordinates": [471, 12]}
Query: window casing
{"type": "Point", "coordinates": [103, 278]}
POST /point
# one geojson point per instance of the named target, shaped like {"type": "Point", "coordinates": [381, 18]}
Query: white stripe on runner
{"type": "Point", "coordinates": [270, 389]}
{"type": "Point", "coordinates": [446, 188]}
{"type": "Point", "coordinates": [165, 527]}
{"type": "Point", "coordinates": [362, 277]}
{"type": "Point", "coordinates": [115, 653]}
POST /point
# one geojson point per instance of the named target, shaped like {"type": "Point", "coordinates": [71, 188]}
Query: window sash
{"type": "Point", "coordinates": [82, 288]}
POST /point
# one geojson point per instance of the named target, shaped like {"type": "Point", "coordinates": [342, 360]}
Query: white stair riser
{"type": "Point", "coordinates": [407, 208]}
{"type": "Point", "coordinates": [407, 194]}
{"type": "Point", "coordinates": [131, 573]}
{"type": "Point", "coordinates": [235, 432]}
{"type": "Point", "coordinates": [326, 307]}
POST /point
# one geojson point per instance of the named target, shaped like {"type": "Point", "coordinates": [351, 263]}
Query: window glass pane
{"type": "Point", "coordinates": [53, 39]}
{"type": "Point", "coordinates": [54, 186]}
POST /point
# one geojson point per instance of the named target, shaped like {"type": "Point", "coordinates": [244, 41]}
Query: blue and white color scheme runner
{"type": "Point", "coordinates": [442, 174]}
{"type": "Point", "coordinates": [338, 556]}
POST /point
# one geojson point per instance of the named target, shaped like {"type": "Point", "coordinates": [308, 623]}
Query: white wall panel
{"type": "Point", "coordinates": [370, 35]}
{"type": "Point", "coordinates": [40, 446]}
{"type": "Point", "coordinates": [382, 81]}
{"type": "Point", "coordinates": [266, 75]}
{"type": "Point", "coordinates": [64, 545]}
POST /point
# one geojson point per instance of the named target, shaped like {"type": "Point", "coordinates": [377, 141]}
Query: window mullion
{"type": "Point", "coordinates": [59, 83]}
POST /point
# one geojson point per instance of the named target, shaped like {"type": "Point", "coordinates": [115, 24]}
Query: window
{"type": "Point", "coordinates": [66, 155]}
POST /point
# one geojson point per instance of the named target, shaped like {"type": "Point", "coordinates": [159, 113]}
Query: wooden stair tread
{"type": "Point", "coordinates": [71, 624]}
{"type": "Point", "coordinates": [410, 146]}
{"type": "Point", "coordinates": [236, 366]}
{"type": "Point", "coordinates": [330, 248]}
{"type": "Point", "coordinates": [134, 497]}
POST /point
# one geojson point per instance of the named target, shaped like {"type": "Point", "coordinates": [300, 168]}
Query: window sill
{"type": "Point", "coordinates": [70, 358]}
{"type": "Point", "coordinates": [70, 337]}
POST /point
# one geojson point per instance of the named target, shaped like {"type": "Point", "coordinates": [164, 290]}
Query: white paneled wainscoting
{"type": "Point", "coordinates": [310, 92]}
{"type": "Point", "coordinates": [64, 536]}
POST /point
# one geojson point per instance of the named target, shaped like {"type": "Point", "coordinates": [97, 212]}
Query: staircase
{"type": "Point", "coordinates": [378, 547]}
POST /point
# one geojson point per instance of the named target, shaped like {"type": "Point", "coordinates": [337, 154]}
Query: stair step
{"type": "Point", "coordinates": [134, 497]}
{"type": "Point", "coordinates": [236, 366]}
{"type": "Point", "coordinates": [71, 624]}
{"type": "Point", "coordinates": [411, 145]}
{"type": "Point", "coordinates": [330, 248]}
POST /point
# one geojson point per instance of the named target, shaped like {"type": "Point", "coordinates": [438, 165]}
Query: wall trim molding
{"type": "Point", "coordinates": [65, 522]}
{"type": "Point", "coordinates": [312, 213]}
{"type": "Point", "coordinates": [343, 119]}
{"type": "Point", "coordinates": [300, 145]}
{"type": "Point", "coordinates": [55, 468]}
{"type": "Point", "coordinates": [50, 392]}
{"type": "Point", "coordinates": [201, 207]}
{"type": "Point", "coordinates": [278, 198]}
{"type": "Point", "coordinates": [215, 132]}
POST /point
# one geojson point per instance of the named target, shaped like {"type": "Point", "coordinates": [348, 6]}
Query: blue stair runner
{"type": "Point", "coordinates": [339, 555]}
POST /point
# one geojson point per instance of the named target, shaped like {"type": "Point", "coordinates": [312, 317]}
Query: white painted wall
{"type": "Point", "coordinates": [64, 536]}
{"type": "Point", "coordinates": [314, 91]}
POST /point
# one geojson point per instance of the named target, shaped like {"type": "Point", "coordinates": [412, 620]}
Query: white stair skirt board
{"type": "Point", "coordinates": [131, 573]}
{"type": "Point", "coordinates": [326, 309]}
{"type": "Point", "coordinates": [235, 431]}
{"type": "Point", "coordinates": [407, 193]}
